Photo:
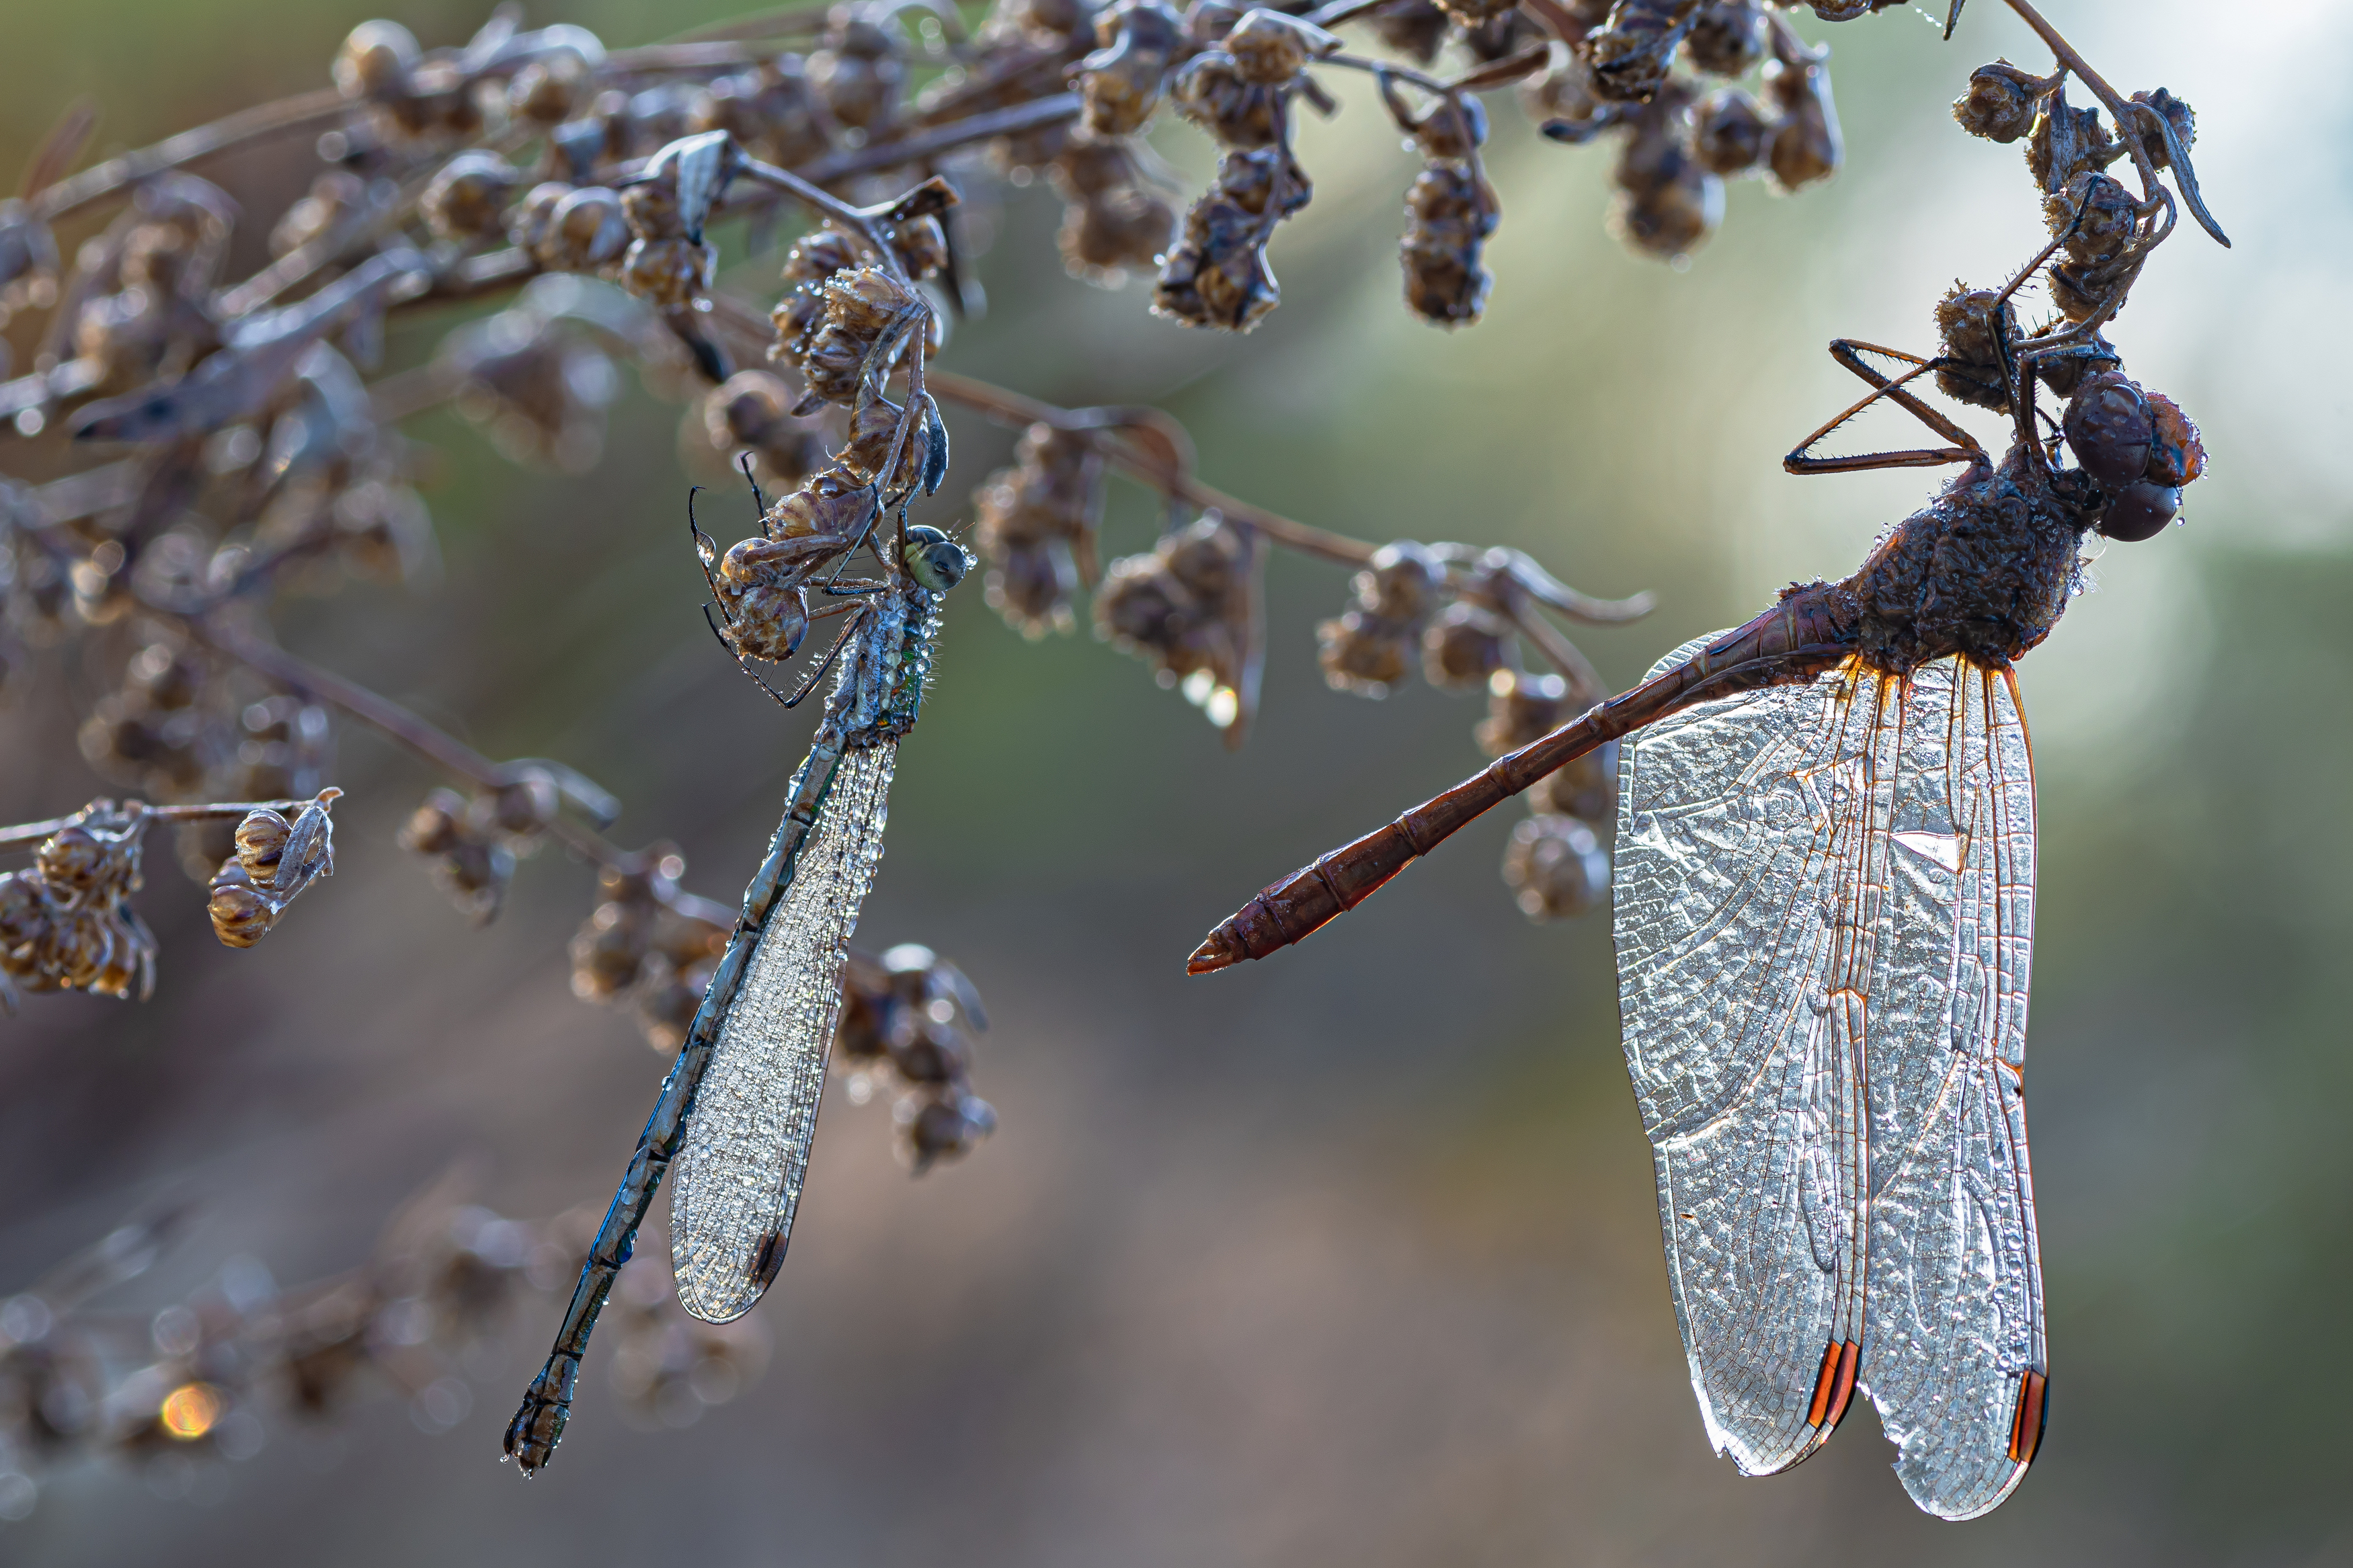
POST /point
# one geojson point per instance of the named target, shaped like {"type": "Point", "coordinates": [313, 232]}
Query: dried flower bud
{"type": "Point", "coordinates": [1555, 867]}
{"type": "Point", "coordinates": [1522, 707]}
{"type": "Point", "coordinates": [469, 864]}
{"type": "Point", "coordinates": [860, 73]}
{"type": "Point", "coordinates": [466, 200]}
{"type": "Point", "coordinates": [1667, 203]}
{"type": "Point", "coordinates": [1807, 147]}
{"type": "Point", "coordinates": [1633, 52]}
{"type": "Point", "coordinates": [1414, 28]}
{"type": "Point", "coordinates": [671, 274]}
{"type": "Point", "coordinates": [752, 411]}
{"type": "Point", "coordinates": [2097, 218]}
{"type": "Point", "coordinates": [375, 60]}
{"type": "Point", "coordinates": [1219, 275]}
{"type": "Point", "coordinates": [2000, 103]}
{"type": "Point", "coordinates": [1465, 647]}
{"type": "Point", "coordinates": [1726, 39]}
{"type": "Point", "coordinates": [2066, 142]}
{"type": "Point", "coordinates": [771, 112]}
{"type": "Point", "coordinates": [1730, 134]}
{"type": "Point", "coordinates": [933, 1128]}
{"type": "Point", "coordinates": [1270, 48]}
{"type": "Point", "coordinates": [1120, 83]}
{"type": "Point", "coordinates": [1451, 214]}
{"type": "Point", "coordinates": [1035, 524]}
{"type": "Point", "coordinates": [586, 229]}
{"type": "Point", "coordinates": [2177, 115]}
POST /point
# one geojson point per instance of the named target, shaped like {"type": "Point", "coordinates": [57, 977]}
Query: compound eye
{"type": "Point", "coordinates": [2140, 511]}
{"type": "Point", "coordinates": [2109, 428]}
{"type": "Point", "coordinates": [935, 561]}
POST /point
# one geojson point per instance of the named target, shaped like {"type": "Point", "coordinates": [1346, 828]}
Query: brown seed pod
{"type": "Point", "coordinates": [1726, 39]}
{"type": "Point", "coordinates": [1555, 867]}
{"type": "Point", "coordinates": [1524, 707]}
{"type": "Point", "coordinates": [861, 72]}
{"type": "Point", "coordinates": [467, 199]}
{"type": "Point", "coordinates": [1730, 134]}
{"type": "Point", "coordinates": [586, 229]}
{"type": "Point", "coordinates": [671, 274]}
{"type": "Point", "coordinates": [1807, 147]}
{"type": "Point", "coordinates": [2177, 115]}
{"type": "Point", "coordinates": [1122, 82]}
{"type": "Point", "coordinates": [1633, 52]}
{"type": "Point", "coordinates": [375, 60]}
{"type": "Point", "coordinates": [771, 111]}
{"type": "Point", "coordinates": [1414, 28]}
{"type": "Point", "coordinates": [2000, 103]}
{"type": "Point", "coordinates": [1464, 646]}
{"type": "Point", "coordinates": [2066, 142]}
{"type": "Point", "coordinates": [937, 1127]}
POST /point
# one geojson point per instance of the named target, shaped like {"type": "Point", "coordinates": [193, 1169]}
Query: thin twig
{"type": "Point", "coordinates": [27, 835]}
{"type": "Point", "coordinates": [115, 175]}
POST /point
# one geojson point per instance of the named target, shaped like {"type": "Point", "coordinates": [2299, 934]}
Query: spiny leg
{"type": "Point", "coordinates": [1848, 352]}
{"type": "Point", "coordinates": [757, 499]}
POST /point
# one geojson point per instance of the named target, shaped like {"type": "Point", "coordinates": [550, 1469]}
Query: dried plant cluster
{"type": "Point", "coordinates": [180, 448]}
{"type": "Point", "coordinates": [205, 1380]}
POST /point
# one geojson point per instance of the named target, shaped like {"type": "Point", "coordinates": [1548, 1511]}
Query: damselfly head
{"type": "Point", "coordinates": [933, 559]}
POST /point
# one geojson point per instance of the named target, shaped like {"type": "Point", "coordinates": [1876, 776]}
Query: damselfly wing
{"type": "Point", "coordinates": [747, 1142]}
{"type": "Point", "coordinates": [1824, 898]}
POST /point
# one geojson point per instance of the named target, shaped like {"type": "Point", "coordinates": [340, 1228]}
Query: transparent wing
{"type": "Point", "coordinates": [1824, 896]}
{"type": "Point", "coordinates": [739, 1177]}
{"type": "Point", "coordinates": [1741, 825]}
{"type": "Point", "coordinates": [1952, 1350]}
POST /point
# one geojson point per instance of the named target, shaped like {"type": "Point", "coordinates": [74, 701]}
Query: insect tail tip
{"type": "Point", "coordinates": [1219, 951]}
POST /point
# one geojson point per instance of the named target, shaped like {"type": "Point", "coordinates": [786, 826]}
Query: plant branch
{"type": "Point", "coordinates": [116, 175]}
{"type": "Point", "coordinates": [27, 835]}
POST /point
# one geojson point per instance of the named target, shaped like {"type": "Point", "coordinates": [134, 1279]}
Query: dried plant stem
{"type": "Point", "coordinates": [381, 713]}
{"type": "Point", "coordinates": [117, 174]}
{"type": "Point", "coordinates": [26, 834]}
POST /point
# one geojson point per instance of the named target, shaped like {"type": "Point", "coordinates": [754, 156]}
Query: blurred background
{"type": "Point", "coordinates": [1351, 1257]}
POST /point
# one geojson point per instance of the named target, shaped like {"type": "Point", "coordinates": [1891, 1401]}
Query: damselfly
{"type": "Point", "coordinates": [1824, 892]}
{"type": "Point", "coordinates": [738, 1109]}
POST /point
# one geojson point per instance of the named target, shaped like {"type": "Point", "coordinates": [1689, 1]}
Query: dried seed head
{"type": "Point", "coordinates": [469, 864]}
{"type": "Point", "coordinates": [467, 199]}
{"type": "Point", "coordinates": [1730, 134]}
{"type": "Point", "coordinates": [771, 112]}
{"type": "Point", "coordinates": [1414, 28]}
{"type": "Point", "coordinates": [1807, 147]}
{"type": "Point", "coordinates": [1633, 52]}
{"type": "Point", "coordinates": [1122, 82]}
{"type": "Point", "coordinates": [2066, 142]}
{"type": "Point", "coordinates": [1464, 646]}
{"type": "Point", "coordinates": [1270, 48]}
{"type": "Point", "coordinates": [1667, 203]}
{"type": "Point", "coordinates": [1966, 334]}
{"type": "Point", "coordinates": [1401, 585]}
{"type": "Point", "coordinates": [333, 195]}
{"type": "Point", "coordinates": [818, 255]}
{"type": "Point", "coordinates": [1451, 214]}
{"type": "Point", "coordinates": [933, 1128]}
{"type": "Point", "coordinates": [1555, 867]}
{"type": "Point", "coordinates": [375, 60]}
{"type": "Point", "coordinates": [860, 73]}
{"type": "Point", "coordinates": [546, 91]}
{"type": "Point", "coordinates": [242, 915]}
{"type": "Point", "coordinates": [1212, 92]}
{"type": "Point", "coordinates": [2000, 103]}
{"type": "Point", "coordinates": [1522, 707]}
{"type": "Point", "coordinates": [1363, 653]}
{"type": "Point", "coordinates": [1471, 14]}
{"type": "Point", "coordinates": [260, 843]}
{"type": "Point", "coordinates": [586, 229]}
{"type": "Point", "coordinates": [1726, 39]}
{"type": "Point", "coordinates": [2177, 115]}
{"type": "Point", "coordinates": [669, 274]}
{"type": "Point", "coordinates": [752, 411]}
{"type": "Point", "coordinates": [1105, 238]}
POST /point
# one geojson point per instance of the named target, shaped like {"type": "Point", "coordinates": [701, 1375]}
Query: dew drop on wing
{"type": "Point", "coordinates": [738, 1180]}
